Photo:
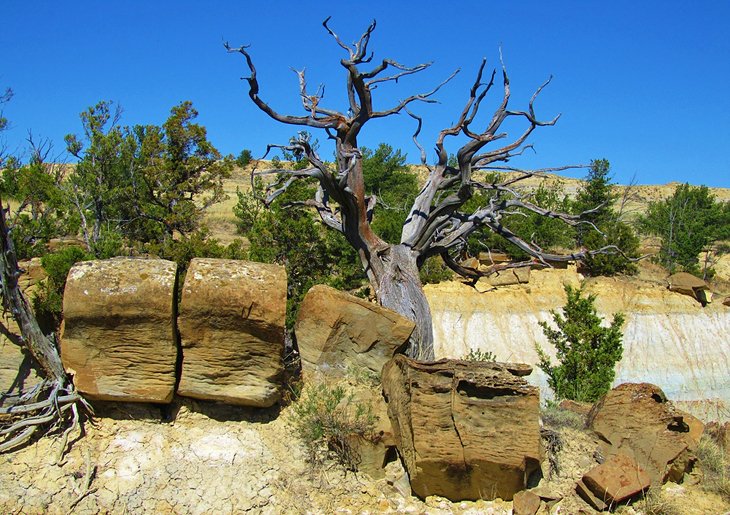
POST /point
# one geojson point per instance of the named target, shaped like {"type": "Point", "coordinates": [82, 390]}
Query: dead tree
{"type": "Point", "coordinates": [53, 403]}
{"type": "Point", "coordinates": [436, 224]}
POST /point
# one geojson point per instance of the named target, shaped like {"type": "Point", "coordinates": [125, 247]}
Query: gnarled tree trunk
{"type": "Point", "coordinates": [400, 289]}
{"type": "Point", "coordinates": [439, 223]}
{"type": "Point", "coordinates": [48, 404]}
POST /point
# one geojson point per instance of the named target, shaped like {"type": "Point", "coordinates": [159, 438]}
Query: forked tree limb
{"type": "Point", "coordinates": [437, 222]}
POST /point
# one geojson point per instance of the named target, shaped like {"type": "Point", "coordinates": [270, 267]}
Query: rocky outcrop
{"type": "Point", "coordinates": [33, 273]}
{"type": "Point", "coordinates": [231, 324]}
{"type": "Point", "coordinates": [118, 338]}
{"type": "Point", "coordinates": [336, 331]}
{"type": "Point", "coordinates": [465, 430]}
{"type": "Point", "coordinates": [688, 284]}
{"type": "Point", "coordinates": [665, 340]}
{"type": "Point", "coordinates": [617, 479]}
{"type": "Point", "coordinates": [635, 419]}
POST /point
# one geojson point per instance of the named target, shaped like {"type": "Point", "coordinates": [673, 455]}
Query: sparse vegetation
{"type": "Point", "coordinates": [362, 376]}
{"type": "Point", "coordinates": [657, 502]}
{"type": "Point", "coordinates": [480, 355]}
{"type": "Point", "coordinates": [244, 158]}
{"type": "Point", "coordinates": [553, 445]}
{"type": "Point", "coordinates": [715, 467]}
{"type": "Point", "coordinates": [587, 352]}
{"type": "Point", "coordinates": [48, 298]}
{"type": "Point", "coordinates": [557, 418]}
{"type": "Point", "coordinates": [329, 424]}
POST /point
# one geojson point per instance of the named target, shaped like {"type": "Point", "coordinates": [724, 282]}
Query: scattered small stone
{"type": "Point", "coordinates": [619, 478]}
{"type": "Point", "coordinates": [525, 503]}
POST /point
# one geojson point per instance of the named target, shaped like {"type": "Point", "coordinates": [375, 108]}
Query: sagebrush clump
{"type": "Point", "coordinates": [556, 417]}
{"type": "Point", "coordinates": [330, 424]}
{"type": "Point", "coordinates": [715, 467]}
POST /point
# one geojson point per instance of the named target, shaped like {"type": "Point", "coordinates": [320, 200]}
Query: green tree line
{"type": "Point", "coordinates": [143, 189]}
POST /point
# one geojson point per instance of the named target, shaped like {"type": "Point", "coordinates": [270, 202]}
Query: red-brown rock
{"type": "Point", "coordinates": [617, 479]}
{"type": "Point", "coordinates": [637, 420]}
{"type": "Point", "coordinates": [465, 430]}
{"type": "Point", "coordinates": [525, 503]}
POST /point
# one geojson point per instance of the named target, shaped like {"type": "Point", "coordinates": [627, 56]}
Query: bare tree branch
{"type": "Point", "coordinates": [438, 222]}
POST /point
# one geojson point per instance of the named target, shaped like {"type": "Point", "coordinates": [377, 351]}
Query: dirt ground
{"type": "Point", "coordinates": [196, 457]}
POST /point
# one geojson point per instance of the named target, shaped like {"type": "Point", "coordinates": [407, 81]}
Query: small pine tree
{"type": "Point", "coordinates": [244, 158]}
{"type": "Point", "coordinates": [597, 195]}
{"type": "Point", "coordinates": [586, 351]}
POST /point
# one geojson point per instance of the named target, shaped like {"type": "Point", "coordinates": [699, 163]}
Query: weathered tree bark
{"type": "Point", "coordinates": [401, 290]}
{"type": "Point", "coordinates": [48, 403]}
{"type": "Point", "coordinates": [39, 345]}
{"type": "Point", "coordinates": [436, 224]}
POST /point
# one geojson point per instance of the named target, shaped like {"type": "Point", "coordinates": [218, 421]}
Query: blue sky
{"type": "Point", "coordinates": [643, 84]}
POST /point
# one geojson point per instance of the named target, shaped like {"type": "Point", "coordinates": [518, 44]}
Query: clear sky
{"type": "Point", "coordinates": [645, 84]}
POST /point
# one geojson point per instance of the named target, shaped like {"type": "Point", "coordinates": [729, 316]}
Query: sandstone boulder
{"type": "Point", "coordinates": [118, 337]}
{"type": "Point", "coordinates": [471, 263]}
{"type": "Point", "coordinates": [635, 419]}
{"type": "Point", "coordinates": [465, 430]}
{"type": "Point", "coordinates": [33, 273]}
{"type": "Point", "coordinates": [510, 276]}
{"type": "Point", "coordinates": [336, 331]}
{"type": "Point", "coordinates": [493, 258]}
{"type": "Point", "coordinates": [688, 284]}
{"type": "Point", "coordinates": [231, 324]}
{"type": "Point", "coordinates": [695, 425]}
{"type": "Point", "coordinates": [617, 479]}
{"type": "Point", "coordinates": [503, 278]}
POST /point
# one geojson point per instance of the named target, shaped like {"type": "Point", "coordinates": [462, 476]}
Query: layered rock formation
{"type": "Point", "coordinates": [231, 324]}
{"type": "Point", "coordinates": [336, 330]}
{"type": "Point", "coordinates": [118, 339]}
{"type": "Point", "coordinates": [465, 430]}
{"type": "Point", "coordinates": [669, 339]}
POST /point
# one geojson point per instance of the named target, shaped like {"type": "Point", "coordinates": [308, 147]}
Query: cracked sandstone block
{"type": "Point", "coordinates": [118, 336]}
{"type": "Point", "coordinates": [636, 419]}
{"type": "Point", "coordinates": [336, 331]}
{"type": "Point", "coordinates": [465, 430]}
{"type": "Point", "coordinates": [231, 323]}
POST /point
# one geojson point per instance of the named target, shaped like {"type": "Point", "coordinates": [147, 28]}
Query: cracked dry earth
{"type": "Point", "coordinates": [221, 459]}
{"type": "Point", "coordinates": [208, 459]}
